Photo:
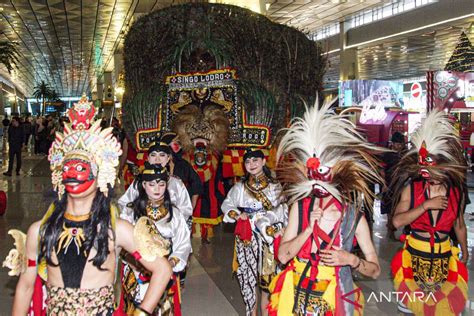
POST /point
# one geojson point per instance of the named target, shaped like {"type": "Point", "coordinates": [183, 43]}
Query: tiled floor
{"type": "Point", "coordinates": [210, 288]}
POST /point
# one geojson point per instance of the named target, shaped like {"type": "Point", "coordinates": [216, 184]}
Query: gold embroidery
{"type": "Point", "coordinates": [421, 272]}
{"type": "Point", "coordinates": [70, 234]}
{"type": "Point", "coordinates": [255, 187]}
{"type": "Point", "coordinates": [259, 182]}
{"type": "Point", "coordinates": [156, 212]}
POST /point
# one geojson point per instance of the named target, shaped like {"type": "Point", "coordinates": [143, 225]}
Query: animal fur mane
{"type": "Point", "coordinates": [334, 140]}
{"type": "Point", "coordinates": [443, 144]}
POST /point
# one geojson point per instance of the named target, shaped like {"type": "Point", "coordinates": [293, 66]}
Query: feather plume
{"type": "Point", "coordinates": [443, 144]}
{"type": "Point", "coordinates": [439, 135]}
{"type": "Point", "coordinates": [335, 141]}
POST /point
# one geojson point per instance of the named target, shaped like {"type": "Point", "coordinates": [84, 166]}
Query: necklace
{"type": "Point", "coordinates": [156, 212]}
{"type": "Point", "coordinates": [76, 218]}
{"type": "Point", "coordinates": [258, 183]}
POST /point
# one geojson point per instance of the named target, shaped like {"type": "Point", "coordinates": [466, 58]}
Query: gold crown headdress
{"type": "Point", "coordinates": [324, 150]}
{"type": "Point", "coordinates": [82, 141]}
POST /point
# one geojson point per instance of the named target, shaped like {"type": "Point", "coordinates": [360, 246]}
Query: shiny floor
{"type": "Point", "coordinates": [210, 288]}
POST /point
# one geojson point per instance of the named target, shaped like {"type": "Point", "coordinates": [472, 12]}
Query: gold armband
{"type": "Point", "coordinates": [140, 312]}
{"type": "Point", "coordinates": [233, 214]}
{"type": "Point", "coordinates": [173, 261]}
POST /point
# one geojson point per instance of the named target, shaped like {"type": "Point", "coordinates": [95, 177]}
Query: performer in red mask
{"type": "Point", "coordinates": [325, 168]}
{"type": "Point", "coordinates": [77, 176]}
{"type": "Point", "coordinates": [78, 241]}
{"type": "Point", "coordinates": [429, 190]}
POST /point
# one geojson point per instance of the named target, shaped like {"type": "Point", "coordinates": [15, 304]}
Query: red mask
{"type": "Point", "coordinates": [424, 159]}
{"type": "Point", "coordinates": [318, 172]}
{"type": "Point", "coordinates": [175, 147]}
{"type": "Point", "coordinates": [77, 176]}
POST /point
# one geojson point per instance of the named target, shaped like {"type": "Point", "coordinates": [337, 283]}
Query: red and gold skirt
{"type": "Point", "coordinates": [432, 280]}
{"type": "Point", "coordinates": [292, 295]}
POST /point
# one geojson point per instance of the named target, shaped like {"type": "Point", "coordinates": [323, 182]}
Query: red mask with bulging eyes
{"type": "Point", "coordinates": [77, 176]}
{"type": "Point", "coordinates": [318, 172]}
{"type": "Point", "coordinates": [424, 159]}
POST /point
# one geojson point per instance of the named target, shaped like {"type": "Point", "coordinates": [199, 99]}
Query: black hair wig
{"type": "Point", "coordinates": [97, 230]}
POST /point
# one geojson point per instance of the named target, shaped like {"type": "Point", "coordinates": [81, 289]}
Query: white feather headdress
{"type": "Point", "coordinates": [441, 140]}
{"type": "Point", "coordinates": [336, 143]}
{"type": "Point", "coordinates": [438, 134]}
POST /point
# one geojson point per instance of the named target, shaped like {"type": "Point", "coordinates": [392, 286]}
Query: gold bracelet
{"type": "Point", "coordinates": [271, 231]}
{"type": "Point", "coordinates": [232, 214]}
{"type": "Point", "coordinates": [140, 312]}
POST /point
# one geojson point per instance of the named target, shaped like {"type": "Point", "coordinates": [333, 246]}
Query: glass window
{"type": "Point", "coordinates": [385, 11]}
{"type": "Point", "coordinates": [408, 5]}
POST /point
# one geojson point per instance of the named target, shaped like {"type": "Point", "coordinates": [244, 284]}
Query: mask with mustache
{"type": "Point", "coordinates": [77, 176]}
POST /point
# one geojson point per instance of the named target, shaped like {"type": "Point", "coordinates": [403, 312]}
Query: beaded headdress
{"type": "Point", "coordinates": [85, 140]}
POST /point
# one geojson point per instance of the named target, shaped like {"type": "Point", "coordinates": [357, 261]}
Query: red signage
{"type": "Point", "coordinates": [415, 90]}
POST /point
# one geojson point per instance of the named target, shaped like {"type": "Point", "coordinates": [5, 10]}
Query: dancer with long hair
{"type": "Point", "coordinates": [429, 194]}
{"type": "Point", "coordinates": [325, 167]}
{"type": "Point", "coordinates": [78, 241]}
{"type": "Point", "coordinates": [153, 205]}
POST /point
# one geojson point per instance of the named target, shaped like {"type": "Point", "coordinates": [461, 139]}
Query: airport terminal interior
{"type": "Point", "coordinates": [146, 65]}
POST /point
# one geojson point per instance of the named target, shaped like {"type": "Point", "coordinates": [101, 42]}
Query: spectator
{"type": "Point", "coordinates": [6, 122]}
{"type": "Point", "coordinates": [103, 124]}
{"type": "Point", "coordinates": [27, 129]}
{"type": "Point", "coordinates": [51, 134]}
{"type": "Point", "coordinates": [117, 130]}
{"type": "Point", "coordinates": [38, 128]}
{"type": "Point", "coordinates": [43, 137]}
{"type": "Point", "coordinates": [390, 160]}
{"type": "Point", "coordinates": [15, 141]}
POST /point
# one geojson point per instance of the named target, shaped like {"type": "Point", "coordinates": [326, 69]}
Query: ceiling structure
{"type": "Point", "coordinates": [412, 55]}
{"type": "Point", "coordinates": [310, 15]}
{"type": "Point", "coordinates": [70, 43]}
{"type": "Point", "coordinates": [64, 43]}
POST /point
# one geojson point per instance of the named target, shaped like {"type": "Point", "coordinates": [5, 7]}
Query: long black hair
{"type": "Point", "coordinates": [97, 230]}
{"type": "Point", "coordinates": [140, 203]}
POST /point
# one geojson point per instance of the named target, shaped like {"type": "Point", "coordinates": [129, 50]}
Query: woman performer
{"type": "Point", "coordinates": [153, 203]}
{"type": "Point", "coordinates": [256, 204]}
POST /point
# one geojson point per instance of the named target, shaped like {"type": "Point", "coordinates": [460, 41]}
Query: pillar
{"type": "Point", "coordinates": [108, 96]}
{"type": "Point", "coordinates": [348, 67]}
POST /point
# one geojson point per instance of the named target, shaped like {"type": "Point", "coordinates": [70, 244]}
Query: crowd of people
{"type": "Point", "coordinates": [36, 135]}
{"type": "Point", "coordinates": [296, 227]}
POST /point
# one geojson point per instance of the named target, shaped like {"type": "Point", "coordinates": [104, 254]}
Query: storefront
{"type": "Point", "coordinates": [454, 93]}
{"type": "Point", "coordinates": [378, 108]}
